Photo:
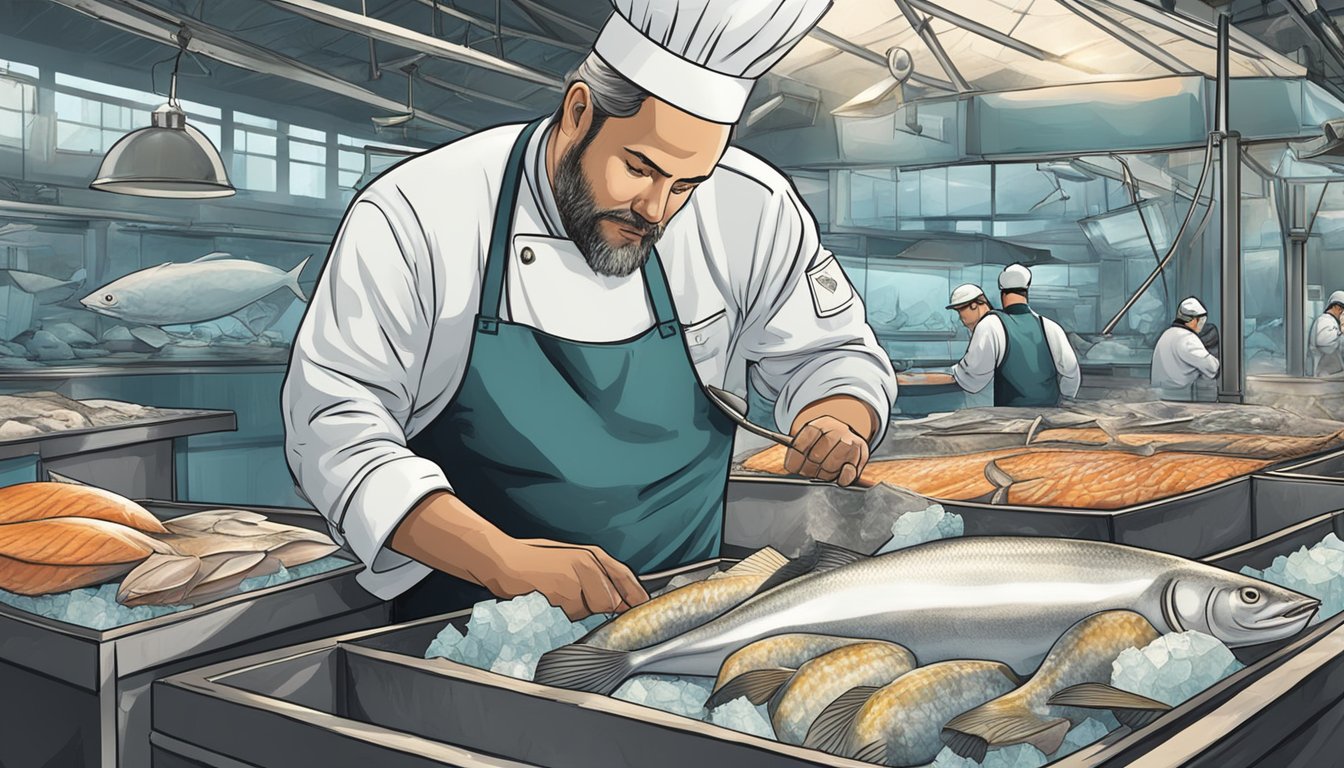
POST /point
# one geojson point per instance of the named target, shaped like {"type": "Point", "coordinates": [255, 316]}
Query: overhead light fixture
{"type": "Point", "coordinates": [884, 96]}
{"type": "Point", "coordinates": [1327, 149]}
{"type": "Point", "coordinates": [169, 158]}
{"type": "Point", "coordinates": [409, 115]}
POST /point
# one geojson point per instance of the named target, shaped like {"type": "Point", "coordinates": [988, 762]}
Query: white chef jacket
{"type": "Point", "coordinates": [985, 353]}
{"type": "Point", "coordinates": [1180, 358]}
{"type": "Point", "coordinates": [384, 344]}
{"type": "Point", "coordinates": [1325, 342]}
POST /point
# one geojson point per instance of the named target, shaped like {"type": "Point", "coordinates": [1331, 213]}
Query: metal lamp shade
{"type": "Point", "coordinates": [167, 159]}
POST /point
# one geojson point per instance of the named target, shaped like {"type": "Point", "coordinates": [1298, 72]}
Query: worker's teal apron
{"type": "Point", "coordinates": [613, 444]}
{"type": "Point", "coordinates": [1026, 377]}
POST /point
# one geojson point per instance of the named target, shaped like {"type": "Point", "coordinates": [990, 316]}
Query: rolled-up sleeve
{"type": "Point", "coordinates": [976, 369]}
{"type": "Point", "coordinates": [1066, 360]}
{"type": "Point", "coordinates": [351, 385]}
{"type": "Point", "coordinates": [804, 350]}
{"type": "Point", "coordinates": [1193, 353]}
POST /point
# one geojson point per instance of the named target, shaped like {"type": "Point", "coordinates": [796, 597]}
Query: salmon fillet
{"type": "Point", "coordinates": [44, 556]}
{"type": "Point", "coordinates": [1230, 444]}
{"type": "Point", "coordinates": [27, 502]}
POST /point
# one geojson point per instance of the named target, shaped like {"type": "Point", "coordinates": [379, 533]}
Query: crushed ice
{"type": "Point", "coordinates": [1315, 571]}
{"type": "Point", "coordinates": [97, 607]}
{"type": "Point", "coordinates": [929, 524]}
{"type": "Point", "coordinates": [1173, 667]}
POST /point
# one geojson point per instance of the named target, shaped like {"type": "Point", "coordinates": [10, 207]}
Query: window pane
{"type": "Point", "coordinates": [17, 68]}
{"type": "Point", "coordinates": [350, 161]}
{"type": "Point", "coordinates": [307, 180]}
{"type": "Point", "coordinates": [78, 138]}
{"type": "Point", "coordinates": [348, 141]}
{"type": "Point", "coordinates": [243, 118]}
{"type": "Point", "coordinates": [196, 109]}
{"type": "Point", "coordinates": [71, 108]}
{"type": "Point", "coordinates": [115, 116]}
{"type": "Point", "coordinates": [239, 140]}
{"type": "Point", "coordinates": [111, 137]}
{"type": "Point", "coordinates": [347, 179]}
{"type": "Point", "coordinates": [309, 153]}
{"type": "Point", "coordinates": [211, 130]}
{"type": "Point", "coordinates": [15, 95]}
{"type": "Point", "coordinates": [104, 89]}
{"type": "Point", "coordinates": [299, 132]}
{"type": "Point", "coordinates": [260, 173]}
{"type": "Point", "coordinates": [261, 144]}
{"type": "Point", "coordinates": [11, 127]}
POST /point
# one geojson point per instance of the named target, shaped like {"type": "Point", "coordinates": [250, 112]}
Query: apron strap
{"type": "Point", "coordinates": [655, 284]}
{"type": "Point", "coordinates": [497, 259]}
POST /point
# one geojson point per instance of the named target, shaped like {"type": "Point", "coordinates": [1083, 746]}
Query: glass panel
{"type": "Point", "coordinates": [239, 140]}
{"type": "Point", "coordinates": [260, 173]}
{"type": "Point", "coordinates": [105, 89]}
{"type": "Point", "coordinates": [299, 132]}
{"type": "Point", "coordinates": [350, 161]}
{"type": "Point", "coordinates": [211, 130]}
{"type": "Point", "coordinates": [310, 153]}
{"type": "Point", "coordinates": [111, 137]}
{"type": "Point", "coordinates": [18, 69]}
{"type": "Point", "coordinates": [11, 127]}
{"type": "Point", "coordinates": [908, 196]}
{"type": "Point", "coordinates": [261, 144]}
{"type": "Point", "coordinates": [245, 119]}
{"type": "Point", "coordinates": [115, 116]}
{"type": "Point", "coordinates": [15, 95]}
{"type": "Point", "coordinates": [197, 109]}
{"type": "Point", "coordinates": [933, 192]}
{"type": "Point", "coordinates": [78, 138]}
{"type": "Point", "coordinates": [968, 190]}
{"type": "Point", "coordinates": [347, 179]}
{"type": "Point", "coordinates": [307, 180]}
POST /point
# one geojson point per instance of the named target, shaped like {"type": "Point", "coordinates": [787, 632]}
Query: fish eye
{"type": "Point", "coordinates": [109, 298]}
{"type": "Point", "coordinates": [1250, 595]}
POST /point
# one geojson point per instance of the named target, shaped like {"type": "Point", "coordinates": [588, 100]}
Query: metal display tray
{"type": "Point", "coordinates": [370, 698]}
{"type": "Point", "coordinates": [75, 696]}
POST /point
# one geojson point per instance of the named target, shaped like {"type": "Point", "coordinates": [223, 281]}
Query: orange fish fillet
{"type": "Point", "coordinates": [1108, 480]}
{"type": "Point", "coordinates": [27, 502]}
{"type": "Point", "coordinates": [44, 556]}
{"type": "Point", "coordinates": [1229, 444]}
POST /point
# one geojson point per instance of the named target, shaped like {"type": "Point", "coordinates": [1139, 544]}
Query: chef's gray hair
{"type": "Point", "coordinates": [613, 95]}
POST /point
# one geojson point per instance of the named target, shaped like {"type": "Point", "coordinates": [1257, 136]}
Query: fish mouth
{"type": "Point", "coordinates": [1304, 609]}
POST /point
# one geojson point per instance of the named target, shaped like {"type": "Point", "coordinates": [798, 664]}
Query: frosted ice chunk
{"type": "Point", "coordinates": [741, 715]}
{"type": "Point", "coordinates": [683, 696]}
{"type": "Point", "coordinates": [1082, 735]}
{"type": "Point", "coordinates": [509, 637]}
{"type": "Point", "coordinates": [929, 524]}
{"type": "Point", "coordinates": [1174, 667]}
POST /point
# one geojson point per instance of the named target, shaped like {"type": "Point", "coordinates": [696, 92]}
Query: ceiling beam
{"type": "Point", "coordinates": [924, 29]}
{"type": "Point", "coordinates": [559, 19]}
{"type": "Point", "coordinates": [471, 93]}
{"type": "Point", "coordinates": [841, 44]}
{"type": "Point", "coordinates": [416, 41]}
{"type": "Point", "coordinates": [159, 25]}
{"type": "Point", "coordinates": [989, 33]}
{"type": "Point", "coordinates": [521, 34]}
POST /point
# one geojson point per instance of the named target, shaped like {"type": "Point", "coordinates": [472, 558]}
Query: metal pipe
{"type": "Point", "coordinates": [930, 38]}
{"type": "Point", "coordinates": [1232, 378]}
{"type": "Point", "coordinates": [480, 21]}
{"type": "Point", "coordinates": [841, 44]}
{"type": "Point", "coordinates": [1295, 282]}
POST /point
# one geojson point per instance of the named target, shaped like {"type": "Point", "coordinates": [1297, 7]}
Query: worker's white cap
{"type": "Point", "coordinates": [1336, 298]}
{"type": "Point", "coordinates": [703, 56]}
{"type": "Point", "coordinates": [964, 294]}
{"type": "Point", "coordinates": [1014, 277]}
{"type": "Point", "coordinates": [1191, 308]}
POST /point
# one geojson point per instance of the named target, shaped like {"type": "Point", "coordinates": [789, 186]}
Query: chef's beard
{"type": "Point", "coordinates": [581, 217]}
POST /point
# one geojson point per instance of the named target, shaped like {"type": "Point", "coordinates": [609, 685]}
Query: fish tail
{"type": "Point", "coordinates": [972, 733]}
{"type": "Point", "coordinates": [1130, 709]}
{"type": "Point", "coordinates": [830, 731]}
{"type": "Point", "coordinates": [584, 668]}
{"type": "Point", "coordinates": [293, 283]}
{"type": "Point", "coordinates": [758, 685]}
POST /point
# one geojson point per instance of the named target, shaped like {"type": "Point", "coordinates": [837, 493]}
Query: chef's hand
{"type": "Point", "coordinates": [580, 580]}
{"type": "Point", "coordinates": [827, 449]}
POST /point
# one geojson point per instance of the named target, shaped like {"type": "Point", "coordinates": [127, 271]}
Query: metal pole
{"type": "Point", "coordinates": [1295, 282]}
{"type": "Point", "coordinates": [1232, 379]}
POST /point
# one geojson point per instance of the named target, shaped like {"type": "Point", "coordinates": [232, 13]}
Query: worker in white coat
{"type": "Point", "coordinates": [497, 387]}
{"type": "Point", "coordinates": [1027, 357]}
{"type": "Point", "coordinates": [1325, 337]}
{"type": "Point", "coordinates": [1180, 357]}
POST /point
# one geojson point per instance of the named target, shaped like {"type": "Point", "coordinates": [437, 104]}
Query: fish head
{"type": "Point", "coordinates": [127, 296]}
{"type": "Point", "coordinates": [1236, 609]}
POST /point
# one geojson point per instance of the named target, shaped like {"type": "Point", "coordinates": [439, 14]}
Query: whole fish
{"type": "Point", "coordinates": [56, 554]}
{"type": "Point", "coordinates": [1083, 655]}
{"type": "Point", "coordinates": [899, 723]}
{"type": "Point", "coordinates": [822, 680]}
{"type": "Point", "coordinates": [210, 287]}
{"type": "Point", "coordinates": [1000, 598]}
{"type": "Point", "coordinates": [758, 670]}
{"type": "Point", "coordinates": [687, 607]}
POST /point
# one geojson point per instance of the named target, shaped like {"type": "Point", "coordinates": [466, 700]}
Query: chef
{"type": "Point", "coordinates": [1028, 357]}
{"type": "Point", "coordinates": [1325, 337]}
{"type": "Point", "coordinates": [970, 304]}
{"type": "Point", "coordinates": [1180, 357]}
{"type": "Point", "coordinates": [497, 387]}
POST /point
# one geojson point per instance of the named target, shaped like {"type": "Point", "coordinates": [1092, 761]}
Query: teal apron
{"type": "Point", "coordinates": [1026, 377]}
{"type": "Point", "coordinates": [613, 444]}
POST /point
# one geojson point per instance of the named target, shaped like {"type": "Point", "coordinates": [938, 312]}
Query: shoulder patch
{"type": "Point", "coordinates": [831, 291]}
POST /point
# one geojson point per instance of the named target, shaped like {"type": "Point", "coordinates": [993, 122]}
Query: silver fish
{"type": "Point", "coordinates": [999, 598]}
{"type": "Point", "coordinates": [1083, 655]}
{"type": "Point", "coordinates": [822, 680]}
{"type": "Point", "coordinates": [210, 287]}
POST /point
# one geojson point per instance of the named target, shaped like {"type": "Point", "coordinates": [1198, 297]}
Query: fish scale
{"type": "Point", "coordinates": [820, 681]}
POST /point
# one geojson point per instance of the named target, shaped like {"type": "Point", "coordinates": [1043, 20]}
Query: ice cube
{"type": "Point", "coordinates": [929, 524]}
{"type": "Point", "coordinates": [949, 759]}
{"type": "Point", "coordinates": [1016, 756]}
{"type": "Point", "coordinates": [1080, 736]}
{"type": "Point", "coordinates": [1174, 667]}
{"type": "Point", "coordinates": [741, 715]}
{"type": "Point", "coordinates": [445, 643]}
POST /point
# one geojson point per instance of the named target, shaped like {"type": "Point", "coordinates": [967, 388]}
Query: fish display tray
{"type": "Point", "coordinates": [369, 698]}
{"type": "Point", "coordinates": [74, 696]}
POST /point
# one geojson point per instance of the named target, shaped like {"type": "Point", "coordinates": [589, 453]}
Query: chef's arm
{"type": "Point", "coordinates": [1066, 360]}
{"type": "Point", "coordinates": [1198, 356]}
{"type": "Point", "coordinates": [1327, 336]}
{"type": "Point", "coordinates": [976, 369]}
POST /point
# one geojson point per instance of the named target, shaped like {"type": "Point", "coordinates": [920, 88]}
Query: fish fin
{"type": "Point", "coordinates": [830, 730]}
{"type": "Point", "coordinates": [293, 282]}
{"type": "Point", "coordinates": [1034, 428]}
{"type": "Point", "coordinates": [1001, 480]}
{"type": "Point", "coordinates": [29, 282]}
{"type": "Point", "coordinates": [758, 685]}
{"type": "Point", "coordinates": [584, 668]}
{"type": "Point", "coordinates": [761, 563]}
{"type": "Point", "coordinates": [815, 557]}
{"type": "Point", "coordinates": [57, 477]}
{"type": "Point", "coordinates": [159, 580]}
{"type": "Point", "coordinates": [1130, 709]}
{"type": "Point", "coordinates": [213, 256]}
{"type": "Point", "coordinates": [970, 734]}
{"type": "Point", "coordinates": [874, 752]}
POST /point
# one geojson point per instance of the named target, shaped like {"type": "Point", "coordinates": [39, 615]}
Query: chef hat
{"type": "Point", "coordinates": [964, 294]}
{"type": "Point", "coordinates": [1014, 277]}
{"type": "Point", "coordinates": [1190, 308]}
{"type": "Point", "coordinates": [1335, 298]}
{"type": "Point", "coordinates": [703, 56]}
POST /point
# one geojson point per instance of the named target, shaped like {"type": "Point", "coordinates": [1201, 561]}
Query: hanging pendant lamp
{"type": "Point", "coordinates": [170, 158]}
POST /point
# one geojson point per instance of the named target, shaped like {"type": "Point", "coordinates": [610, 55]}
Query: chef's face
{"type": "Point", "coordinates": [619, 184]}
{"type": "Point", "coordinates": [972, 313]}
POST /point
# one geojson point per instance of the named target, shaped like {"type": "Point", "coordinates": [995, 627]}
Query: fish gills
{"type": "Point", "coordinates": [899, 724]}
{"type": "Point", "coordinates": [57, 554]}
{"type": "Point", "coordinates": [27, 502]}
{"type": "Point", "coordinates": [1082, 655]}
{"type": "Point", "coordinates": [688, 607]}
{"type": "Point", "coordinates": [820, 681]}
{"type": "Point", "coordinates": [787, 652]}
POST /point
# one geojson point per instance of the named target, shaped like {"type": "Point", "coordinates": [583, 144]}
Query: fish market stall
{"type": "Point", "coordinates": [375, 693]}
{"type": "Point", "coordinates": [1190, 479]}
{"type": "Point", "coordinates": [76, 664]}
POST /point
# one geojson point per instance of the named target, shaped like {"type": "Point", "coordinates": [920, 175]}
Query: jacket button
{"type": "Point", "coordinates": [527, 256]}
